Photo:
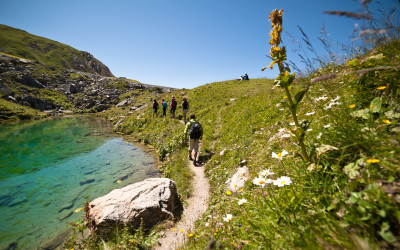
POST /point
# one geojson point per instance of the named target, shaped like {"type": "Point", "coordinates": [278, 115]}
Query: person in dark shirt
{"type": "Point", "coordinates": [155, 108]}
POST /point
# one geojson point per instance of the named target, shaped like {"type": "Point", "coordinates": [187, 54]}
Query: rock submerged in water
{"type": "Point", "coordinates": [87, 181]}
{"type": "Point", "coordinates": [151, 201]}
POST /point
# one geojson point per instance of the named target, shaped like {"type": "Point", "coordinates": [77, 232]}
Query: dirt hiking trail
{"type": "Point", "coordinates": [197, 204]}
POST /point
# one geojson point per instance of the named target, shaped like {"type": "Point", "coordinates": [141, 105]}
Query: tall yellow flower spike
{"type": "Point", "coordinates": [284, 79]}
{"type": "Point", "coordinates": [276, 53]}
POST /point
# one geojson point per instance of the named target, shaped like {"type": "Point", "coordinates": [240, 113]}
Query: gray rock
{"type": "Point", "coordinates": [101, 107]}
{"type": "Point", "coordinates": [28, 80]}
{"type": "Point", "coordinates": [11, 98]}
{"type": "Point", "coordinates": [239, 179]}
{"type": "Point", "coordinates": [123, 103]}
{"type": "Point", "coordinates": [58, 241]}
{"type": "Point", "coordinates": [87, 181]}
{"type": "Point", "coordinates": [71, 89]}
{"type": "Point", "coordinates": [151, 201]}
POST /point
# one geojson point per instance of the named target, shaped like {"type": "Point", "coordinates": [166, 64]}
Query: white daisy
{"type": "Point", "coordinates": [279, 155]}
{"type": "Point", "coordinates": [242, 201]}
{"type": "Point", "coordinates": [228, 217]}
{"type": "Point", "coordinates": [282, 181]}
{"type": "Point", "coordinates": [266, 172]}
{"type": "Point", "coordinates": [259, 181]}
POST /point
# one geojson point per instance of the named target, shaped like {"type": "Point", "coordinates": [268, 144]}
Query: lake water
{"type": "Point", "coordinates": [50, 168]}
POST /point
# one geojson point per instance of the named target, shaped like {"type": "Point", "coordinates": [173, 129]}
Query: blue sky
{"type": "Point", "coordinates": [179, 43]}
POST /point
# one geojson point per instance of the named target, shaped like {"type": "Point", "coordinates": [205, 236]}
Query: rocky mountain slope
{"type": "Point", "coordinates": [47, 52]}
{"type": "Point", "coordinates": [49, 76]}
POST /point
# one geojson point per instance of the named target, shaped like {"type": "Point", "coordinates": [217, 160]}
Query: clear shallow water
{"type": "Point", "coordinates": [50, 168]}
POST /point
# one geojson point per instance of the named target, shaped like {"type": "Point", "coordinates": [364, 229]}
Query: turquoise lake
{"type": "Point", "coordinates": [51, 168]}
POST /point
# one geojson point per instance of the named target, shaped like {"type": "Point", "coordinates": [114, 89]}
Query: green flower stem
{"type": "Point", "coordinates": [296, 121]}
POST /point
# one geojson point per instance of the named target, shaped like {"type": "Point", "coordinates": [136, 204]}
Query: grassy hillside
{"type": "Point", "coordinates": [47, 52]}
{"type": "Point", "coordinates": [347, 196]}
{"type": "Point", "coordinates": [13, 112]}
{"type": "Point", "coordinates": [38, 73]}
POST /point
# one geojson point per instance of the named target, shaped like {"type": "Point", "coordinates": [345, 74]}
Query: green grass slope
{"type": "Point", "coordinates": [346, 197]}
{"type": "Point", "coordinates": [12, 112]}
{"type": "Point", "coordinates": [47, 52]}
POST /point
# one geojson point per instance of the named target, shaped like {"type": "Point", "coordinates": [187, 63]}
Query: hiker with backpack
{"type": "Point", "coordinates": [185, 109]}
{"type": "Point", "coordinates": [194, 130]}
{"type": "Point", "coordinates": [173, 106]}
{"type": "Point", "coordinates": [164, 108]}
{"type": "Point", "coordinates": [155, 108]}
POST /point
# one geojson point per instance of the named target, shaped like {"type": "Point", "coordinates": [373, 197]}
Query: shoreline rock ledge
{"type": "Point", "coordinates": [151, 201]}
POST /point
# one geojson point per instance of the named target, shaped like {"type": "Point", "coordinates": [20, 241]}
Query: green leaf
{"type": "Point", "coordinates": [376, 105]}
{"type": "Point", "coordinates": [352, 170]}
{"type": "Point", "coordinates": [392, 114]}
{"type": "Point", "coordinates": [299, 96]}
{"type": "Point", "coordinates": [382, 213]}
{"type": "Point", "coordinates": [353, 199]}
{"type": "Point", "coordinates": [362, 113]}
{"type": "Point", "coordinates": [287, 80]}
{"type": "Point", "coordinates": [325, 148]}
{"type": "Point", "coordinates": [386, 234]}
{"type": "Point", "coordinates": [354, 63]}
{"type": "Point", "coordinates": [376, 57]}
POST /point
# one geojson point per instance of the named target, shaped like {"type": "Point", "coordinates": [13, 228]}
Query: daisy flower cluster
{"type": "Point", "coordinates": [262, 180]}
{"type": "Point", "coordinates": [333, 102]}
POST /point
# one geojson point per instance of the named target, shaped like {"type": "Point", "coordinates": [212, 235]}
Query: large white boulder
{"type": "Point", "coordinates": [151, 201]}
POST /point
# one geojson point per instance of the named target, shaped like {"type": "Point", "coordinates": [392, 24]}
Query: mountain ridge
{"type": "Point", "coordinates": [40, 74]}
{"type": "Point", "coordinates": [48, 52]}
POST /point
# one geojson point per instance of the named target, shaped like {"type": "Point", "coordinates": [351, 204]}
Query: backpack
{"type": "Point", "coordinates": [164, 104]}
{"type": "Point", "coordinates": [195, 131]}
{"type": "Point", "coordinates": [185, 105]}
{"type": "Point", "coordinates": [173, 103]}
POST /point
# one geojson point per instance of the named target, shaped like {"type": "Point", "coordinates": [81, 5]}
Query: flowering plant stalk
{"type": "Point", "coordinates": [285, 79]}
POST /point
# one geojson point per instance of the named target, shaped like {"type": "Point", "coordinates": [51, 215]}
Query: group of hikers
{"type": "Point", "coordinates": [193, 129]}
{"type": "Point", "coordinates": [245, 77]}
{"type": "Point", "coordinates": [172, 108]}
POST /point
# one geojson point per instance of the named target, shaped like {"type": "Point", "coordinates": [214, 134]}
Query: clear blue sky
{"type": "Point", "coordinates": [179, 43]}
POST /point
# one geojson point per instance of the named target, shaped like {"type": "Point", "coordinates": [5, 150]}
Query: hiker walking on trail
{"type": "Point", "coordinates": [194, 130]}
{"type": "Point", "coordinates": [173, 106]}
{"type": "Point", "coordinates": [155, 108]}
{"type": "Point", "coordinates": [185, 109]}
{"type": "Point", "coordinates": [164, 108]}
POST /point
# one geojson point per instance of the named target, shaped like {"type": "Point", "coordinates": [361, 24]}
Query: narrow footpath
{"type": "Point", "coordinates": [197, 204]}
{"type": "Point", "coordinates": [177, 235]}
